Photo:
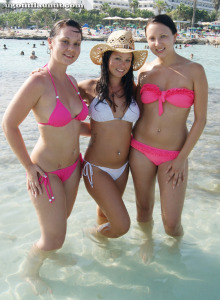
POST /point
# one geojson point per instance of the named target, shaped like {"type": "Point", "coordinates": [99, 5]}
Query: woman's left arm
{"type": "Point", "coordinates": [176, 168]}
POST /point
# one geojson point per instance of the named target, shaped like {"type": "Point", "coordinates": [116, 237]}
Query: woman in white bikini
{"type": "Point", "coordinates": [113, 110]}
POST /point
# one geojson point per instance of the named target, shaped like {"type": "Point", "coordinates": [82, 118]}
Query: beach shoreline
{"type": "Point", "coordinates": [27, 34]}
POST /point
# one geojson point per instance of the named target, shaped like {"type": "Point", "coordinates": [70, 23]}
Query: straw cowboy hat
{"type": "Point", "coordinates": [119, 41]}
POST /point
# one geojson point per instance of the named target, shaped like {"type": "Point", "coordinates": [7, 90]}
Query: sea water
{"type": "Point", "coordinates": [131, 267]}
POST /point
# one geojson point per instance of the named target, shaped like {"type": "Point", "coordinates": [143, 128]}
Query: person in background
{"type": "Point", "coordinates": [112, 110]}
{"type": "Point", "coordinates": [53, 169]}
{"type": "Point", "coordinates": [33, 56]}
{"type": "Point", "coordinates": [167, 89]}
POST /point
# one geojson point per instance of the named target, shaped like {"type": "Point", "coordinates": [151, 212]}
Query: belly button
{"type": "Point", "coordinates": [158, 130]}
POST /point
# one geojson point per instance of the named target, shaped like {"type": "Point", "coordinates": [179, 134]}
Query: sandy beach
{"type": "Point", "coordinates": [42, 34]}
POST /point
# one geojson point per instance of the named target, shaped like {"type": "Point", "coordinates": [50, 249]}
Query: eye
{"type": "Point", "coordinates": [163, 36]}
{"type": "Point", "coordinates": [65, 42]}
{"type": "Point", "coordinates": [77, 44]}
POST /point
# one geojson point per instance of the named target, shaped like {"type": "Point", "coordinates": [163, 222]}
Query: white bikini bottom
{"type": "Point", "coordinates": [114, 173]}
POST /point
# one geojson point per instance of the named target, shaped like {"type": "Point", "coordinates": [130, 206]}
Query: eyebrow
{"type": "Point", "coordinates": [66, 37]}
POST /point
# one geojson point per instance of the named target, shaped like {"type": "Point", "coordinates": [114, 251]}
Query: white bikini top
{"type": "Point", "coordinates": [103, 113]}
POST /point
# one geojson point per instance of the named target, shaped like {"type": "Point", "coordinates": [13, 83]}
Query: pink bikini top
{"type": "Point", "coordinates": [180, 97]}
{"type": "Point", "coordinates": [61, 116]}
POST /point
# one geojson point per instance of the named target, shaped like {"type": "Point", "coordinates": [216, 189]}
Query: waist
{"type": "Point", "coordinates": [160, 137]}
{"type": "Point", "coordinates": [49, 158]}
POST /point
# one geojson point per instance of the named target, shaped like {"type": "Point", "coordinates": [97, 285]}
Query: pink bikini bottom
{"type": "Point", "coordinates": [157, 156]}
{"type": "Point", "coordinates": [63, 174]}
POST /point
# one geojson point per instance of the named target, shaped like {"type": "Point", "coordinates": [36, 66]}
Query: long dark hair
{"type": "Point", "coordinates": [102, 86]}
{"type": "Point", "coordinates": [163, 19]}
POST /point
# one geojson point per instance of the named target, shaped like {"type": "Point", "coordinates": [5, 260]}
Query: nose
{"type": "Point", "coordinates": [157, 42]}
{"type": "Point", "coordinates": [71, 47]}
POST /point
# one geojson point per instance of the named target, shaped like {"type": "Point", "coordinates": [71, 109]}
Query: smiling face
{"type": "Point", "coordinates": [160, 39]}
{"type": "Point", "coordinates": [119, 64]}
{"type": "Point", "coordinates": [66, 45]}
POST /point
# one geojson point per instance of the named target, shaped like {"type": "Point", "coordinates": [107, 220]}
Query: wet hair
{"type": "Point", "coordinates": [66, 22]}
{"type": "Point", "coordinates": [162, 19]}
{"type": "Point", "coordinates": [102, 86]}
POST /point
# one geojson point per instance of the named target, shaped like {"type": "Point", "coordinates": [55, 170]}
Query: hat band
{"type": "Point", "coordinates": [122, 46]}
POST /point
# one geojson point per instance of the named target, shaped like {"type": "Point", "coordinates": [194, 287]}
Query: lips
{"type": "Point", "coordinates": [160, 50]}
{"type": "Point", "coordinates": [121, 71]}
{"type": "Point", "coordinates": [69, 56]}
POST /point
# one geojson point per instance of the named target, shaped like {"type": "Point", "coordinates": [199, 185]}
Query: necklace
{"type": "Point", "coordinates": [117, 94]}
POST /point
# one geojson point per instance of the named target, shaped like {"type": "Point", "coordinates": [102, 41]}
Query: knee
{"type": "Point", "coordinates": [53, 242]}
{"type": "Point", "coordinates": [122, 228]}
{"type": "Point", "coordinates": [144, 212]}
{"type": "Point", "coordinates": [173, 228]}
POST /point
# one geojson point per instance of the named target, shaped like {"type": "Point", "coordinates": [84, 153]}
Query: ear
{"type": "Point", "coordinates": [49, 43]}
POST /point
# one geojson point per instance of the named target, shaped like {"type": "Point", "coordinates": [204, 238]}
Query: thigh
{"type": "Point", "coordinates": [172, 200]}
{"type": "Point", "coordinates": [108, 197]}
{"type": "Point", "coordinates": [122, 180]}
{"type": "Point", "coordinates": [144, 176]}
{"type": "Point", "coordinates": [71, 186]}
{"type": "Point", "coordinates": [51, 216]}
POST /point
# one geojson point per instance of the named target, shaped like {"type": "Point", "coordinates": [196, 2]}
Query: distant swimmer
{"type": "Point", "coordinates": [33, 56]}
{"type": "Point", "coordinates": [34, 46]}
{"type": "Point", "coordinates": [22, 53]}
{"type": "Point", "coordinates": [191, 56]}
{"type": "Point", "coordinates": [42, 44]}
{"type": "Point", "coordinates": [5, 47]}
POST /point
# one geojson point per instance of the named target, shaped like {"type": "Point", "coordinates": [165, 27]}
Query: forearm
{"type": "Point", "coordinates": [192, 138]}
{"type": "Point", "coordinates": [17, 144]}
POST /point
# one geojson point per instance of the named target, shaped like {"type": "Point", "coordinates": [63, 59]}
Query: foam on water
{"type": "Point", "coordinates": [133, 266]}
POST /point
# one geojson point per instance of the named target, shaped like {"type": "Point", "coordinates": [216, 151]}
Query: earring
{"type": "Point", "coordinates": [48, 50]}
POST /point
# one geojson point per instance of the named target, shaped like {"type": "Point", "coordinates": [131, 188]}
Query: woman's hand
{"type": "Point", "coordinates": [36, 71]}
{"type": "Point", "coordinates": [33, 174]}
{"type": "Point", "coordinates": [176, 172]}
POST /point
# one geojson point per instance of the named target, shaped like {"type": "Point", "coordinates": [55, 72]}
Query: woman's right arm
{"type": "Point", "coordinates": [24, 100]}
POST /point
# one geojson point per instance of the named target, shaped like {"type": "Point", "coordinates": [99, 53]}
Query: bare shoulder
{"type": "Point", "coordinates": [35, 84]}
{"type": "Point", "coordinates": [88, 84]}
{"type": "Point", "coordinates": [142, 73]}
{"type": "Point", "coordinates": [87, 89]}
{"type": "Point", "coordinates": [73, 80]}
{"type": "Point", "coordinates": [193, 67]}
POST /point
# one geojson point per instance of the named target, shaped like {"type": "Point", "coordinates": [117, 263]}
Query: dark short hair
{"type": "Point", "coordinates": [163, 19]}
{"type": "Point", "coordinates": [66, 22]}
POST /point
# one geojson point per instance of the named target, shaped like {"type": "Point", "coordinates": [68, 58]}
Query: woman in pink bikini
{"type": "Point", "coordinates": [53, 168]}
{"type": "Point", "coordinates": [167, 88]}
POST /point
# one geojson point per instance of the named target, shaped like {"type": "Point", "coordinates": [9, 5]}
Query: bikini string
{"type": "Point", "coordinates": [88, 172]}
{"type": "Point", "coordinates": [46, 182]}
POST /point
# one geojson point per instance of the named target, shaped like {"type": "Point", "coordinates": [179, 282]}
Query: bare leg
{"type": "Point", "coordinates": [172, 201]}
{"type": "Point", "coordinates": [30, 269]}
{"type": "Point", "coordinates": [52, 219]}
{"type": "Point", "coordinates": [108, 195]}
{"type": "Point", "coordinates": [121, 183]}
{"type": "Point", "coordinates": [144, 177]}
{"type": "Point", "coordinates": [147, 247]}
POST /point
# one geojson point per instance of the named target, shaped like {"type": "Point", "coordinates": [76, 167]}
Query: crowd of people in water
{"type": "Point", "coordinates": [138, 127]}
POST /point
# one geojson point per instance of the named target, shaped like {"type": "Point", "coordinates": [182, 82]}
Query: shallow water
{"type": "Point", "coordinates": [130, 267]}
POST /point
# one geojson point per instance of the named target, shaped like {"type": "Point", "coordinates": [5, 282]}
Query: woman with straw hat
{"type": "Point", "coordinates": [113, 110]}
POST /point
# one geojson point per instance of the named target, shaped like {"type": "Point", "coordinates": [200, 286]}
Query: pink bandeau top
{"type": "Point", "coordinates": [180, 97]}
{"type": "Point", "coordinates": [61, 116]}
